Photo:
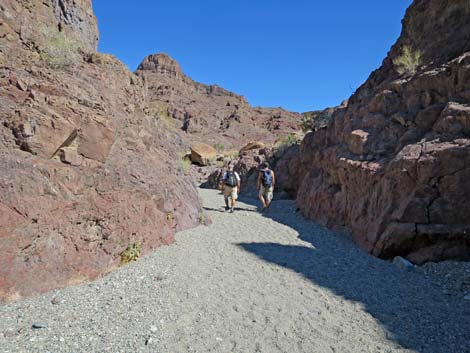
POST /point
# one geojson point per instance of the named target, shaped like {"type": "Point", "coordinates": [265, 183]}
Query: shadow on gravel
{"type": "Point", "coordinates": [416, 313]}
{"type": "Point", "coordinates": [222, 209]}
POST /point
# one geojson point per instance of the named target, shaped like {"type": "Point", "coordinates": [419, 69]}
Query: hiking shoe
{"type": "Point", "coordinates": [231, 210]}
{"type": "Point", "coordinates": [226, 208]}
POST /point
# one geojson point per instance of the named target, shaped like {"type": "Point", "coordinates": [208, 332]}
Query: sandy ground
{"type": "Point", "coordinates": [247, 283]}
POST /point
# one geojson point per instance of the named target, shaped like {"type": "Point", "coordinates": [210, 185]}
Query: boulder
{"type": "Point", "coordinates": [403, 264]}
{"type": "Point", "coordinates": [95, 140]}
{"type": "Point", "coordinates": [357, 140]}
{"type": "Point", "coordinates": [202, 154]}
{"type": "Point", "coordinates": [70, 156]}
{"type": "Point", "coordinates": [253, 145]}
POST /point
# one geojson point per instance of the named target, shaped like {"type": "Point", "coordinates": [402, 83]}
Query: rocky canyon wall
{"type": "Point", "coordinates": [85, 170]}
{"type": "Point", "coordinates": [393, 165]}
{"type": "Point", "coordinates": [209, 113]}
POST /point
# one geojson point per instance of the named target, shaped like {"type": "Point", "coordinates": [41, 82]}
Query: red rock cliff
{"type": "Point", "coordinates": [85, 171]}
{"type": "Point", "coordinates": [393, 166]}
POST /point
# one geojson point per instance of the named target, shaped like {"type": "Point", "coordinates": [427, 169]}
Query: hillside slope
{"type": "Point", "coordinates": [209, 113]}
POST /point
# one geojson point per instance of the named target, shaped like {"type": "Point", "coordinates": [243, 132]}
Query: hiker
{"type": "Point", "coordinates": [266, 181]}
{"type": "Point", "coordinates": [231, 188]}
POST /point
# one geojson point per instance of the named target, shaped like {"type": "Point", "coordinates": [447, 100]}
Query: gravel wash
{"type": "Point", "coordinates": [249, 282]}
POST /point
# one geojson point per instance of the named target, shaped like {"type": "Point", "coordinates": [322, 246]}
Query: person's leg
{"type": "Point", "coordinates": [234, 198]}
{"type": "Point", "coordinates": [261, 198]}
{"type": "Point", "coordinates": [269, 197]}
{"type": "Point", "coordinates": [226, 198]}
{"type": "Point", "coordinates": [233, 204]}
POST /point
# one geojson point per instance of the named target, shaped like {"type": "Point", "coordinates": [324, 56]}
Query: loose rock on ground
{"type": "Point", "coordinates": [249, 282]}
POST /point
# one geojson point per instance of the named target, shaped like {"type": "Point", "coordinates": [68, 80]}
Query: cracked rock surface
{"type": "Point", "coordinates": [392, 165]}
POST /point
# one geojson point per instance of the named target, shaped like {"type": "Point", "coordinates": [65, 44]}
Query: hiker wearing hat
{"type": "Point", "coordinates": [266, 181]}
{"type": "Point", "coordinates": [231, 188]}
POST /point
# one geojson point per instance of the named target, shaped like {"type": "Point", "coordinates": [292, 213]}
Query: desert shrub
{"type": "Point", "coordinates": [315, 120]}
{"type": "Point", "coordinates": [203, 218]}
{"type": "Point", "coordinates": [219, 147]}
{"type": "Point", "coordinates": [160, 110]}
{"type": "Point", "coordinates": [306, 123]}
{"type": "Point", "coordinates": [231, 154]}
{"type": "Point", "coordinates": [408, 62]}
{"type": "Point", "coordinates": [60, 49]}
{"type": "Point", "coordinates": [284, 143]}
{"type": "Point", "coordinates": [185, 166]}
{"type": "Point", "coordinates": [132, 253]}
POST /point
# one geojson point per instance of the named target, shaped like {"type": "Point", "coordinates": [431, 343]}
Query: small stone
{"type": "Point", "coordinates": [70, 156]}
{"type": "Point", "coordinates": [148, 341]}
{"type": "Point", "coordinates": [38, 325]}
{"type": "Point", "coordinates": [9, 333]}
{"type": "Point", "coordinates": [153, 328]}
{"type": "Point", "coordinates": [402, 263]}
{"type": "Point", "coordinates": [21, 85]}
{"type": "Point", "coordinates": [33, 94]}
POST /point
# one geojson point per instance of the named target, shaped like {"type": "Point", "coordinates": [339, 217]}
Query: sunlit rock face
{"type": "Point", "coordinates": [209, 113]}
{"type": "Point", "coordinates": [85, 170]}
{"type": "Point", "coordinates": [393, 165]}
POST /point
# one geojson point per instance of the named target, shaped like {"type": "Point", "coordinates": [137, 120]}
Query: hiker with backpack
{"type": "Point", "coordinates": [231, 188]}
{"type": "Point", "coordinates": [266, 181]}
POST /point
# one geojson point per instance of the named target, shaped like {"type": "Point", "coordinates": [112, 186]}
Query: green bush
{"type": "Point", "coordinates": [60, 50]}
{"type": "Point", "coordinates": [203, 218]}
{"type": "Point", "coordinates": [408, 62]}
{"type": "Point", "coordinates": [284, 143]}
{"type": "Point", "coordinates": [185, 166]}
{"type": "Point", "coordinates": [315, 120]}
{"type": "Point", "coordinates": [132, 253]}
{"type": "Point", "coordinates": [219, 147]}
{"type": "Point", "coordinates": [306, 123]}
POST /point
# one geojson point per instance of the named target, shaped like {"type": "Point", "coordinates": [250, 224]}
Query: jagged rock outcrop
{"type": "Point", "coordinates": [393, 164]}
{"type": "Point", "coordinates": [209, 113]}
{"type": "Point", "coordinates": [85, 171]}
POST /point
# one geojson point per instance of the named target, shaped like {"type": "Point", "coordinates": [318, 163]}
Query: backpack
{"type": "Point", "coordinates": [267, 177]}
{"type": "Point", "coordinates": [230, 179]}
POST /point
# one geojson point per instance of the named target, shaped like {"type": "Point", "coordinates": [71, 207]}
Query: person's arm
{"type": "Point", "coordinates": [274, 178]}
{"type": "Point", "coordinates": [238, 181]}
{"type": "Point", "coordinates": [259, 181]}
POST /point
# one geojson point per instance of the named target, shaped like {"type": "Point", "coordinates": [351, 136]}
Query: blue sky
{"type": "Point", "coordinates": [298, 54]}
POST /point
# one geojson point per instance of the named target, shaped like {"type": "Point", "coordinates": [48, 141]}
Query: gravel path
{"type": "Point", "coordinates": [247, 283]}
